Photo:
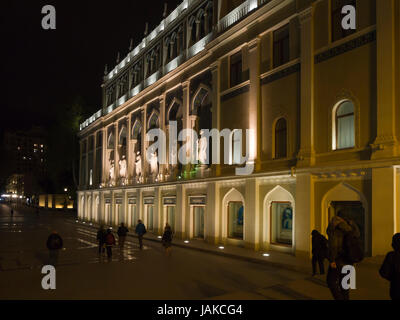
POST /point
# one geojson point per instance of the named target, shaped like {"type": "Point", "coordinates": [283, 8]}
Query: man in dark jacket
{"type": "Point", "coordinates": [110, 242]}
{"type": "Point", "coordinates": [140, 231]}
{"type": "Point", "coordinates": [101, 238]}
{"type": "Point", "coordinates": [122, 232]}
{"type": "Point", "coordinates": [54, 244]}
{"type": "Point", "coordinates": [319, 251]}
{"type": "Point", "coordinates": [390, 269]}
{"type": "Point", "coordinates": [338, 228]}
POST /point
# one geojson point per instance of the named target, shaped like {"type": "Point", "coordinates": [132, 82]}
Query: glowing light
{"type": "Point", "coordinates": [221, 248]}
{"type": "Point", "coordinates": [159, 237]}
{"type": "Point", "coordinates": [186, 241]}
{"type": "Point", "coordinates": [266, 254]}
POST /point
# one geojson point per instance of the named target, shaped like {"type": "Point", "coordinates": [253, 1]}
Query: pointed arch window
{"type": "Point", "coordinates": [344, 129]}
{"type": "Point", "coordinates": [281, 139]}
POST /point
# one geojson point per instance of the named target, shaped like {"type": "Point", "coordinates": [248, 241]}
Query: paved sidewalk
{"type": "Point", "coordinates": [370, 286]}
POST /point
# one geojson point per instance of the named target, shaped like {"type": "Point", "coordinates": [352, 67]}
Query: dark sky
{"type": "Point", "coordinates": [44, 69]}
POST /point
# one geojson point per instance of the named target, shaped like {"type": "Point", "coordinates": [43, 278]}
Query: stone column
{"type": "Point", "coordinates": [94, 176]}
{"type": "Point", "coordinates": [105, 160]}
{"type": "Point", "coordinates": [144, 142]}
{"type": "Point", "coordinates": [162, 167]}
{"type": "Point", "coordinates": [252, 215]}
{"type": "Point", "coordinates": [180, 212]}
{"type": "Point", "coordinates": [130, 157]}
{"type": "Point", "coordinates": [386, 144]}
{"type": "Point", "coordinates": [384, 209]}
{"type": "Point", "coordinates": [255, 119]}
{"type": "Point", "coordinates": [158, 211]}
{"type": "Point", "coordinates": [304, 215]}
{"type": "Point", "coordinates": [87, 164]}
{"type": "Point", "coordinates": [216, 107]}
{"type": "Point", "coordinates": [116, 152]}
{"type": "Point", "coordinates": [306, 156]}
{"type": "Point", "coordinates": [212, 214]}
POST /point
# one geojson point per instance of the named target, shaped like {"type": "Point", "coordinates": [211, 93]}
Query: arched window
{"type": "Point", "coordinates": [344, 132]}
{"type": "Point", "coordinates": [281, 139]}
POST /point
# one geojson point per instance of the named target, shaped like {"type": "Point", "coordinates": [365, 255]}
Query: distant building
{"type": "Point", "coordinates": [25, 157]}
{"type": "Point", "coordinates": [15, 184]}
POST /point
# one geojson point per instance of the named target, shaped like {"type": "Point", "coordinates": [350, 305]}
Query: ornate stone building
{"type": "Point", "coordinates": [323, 101]}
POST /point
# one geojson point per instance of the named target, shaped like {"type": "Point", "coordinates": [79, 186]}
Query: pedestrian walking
{"type": "Point", "coordinates": [12, 212]}
{"type": "Point", "coordinates": [319, 251]}
{"type": "Point", "coordinates": [110, 242]}
{"type": "Point", "coordinates": [54, 244]}
{"type": "Point", "coordinates": [122, 232]}
{"type": "Point", "coordinates": [390, 269]}
{"type": "Point", "coordinates": [101, 238]}
{"type": "Point", "coordinates": [167, 239]}
{"type": "Point", "coordinates": [140, 231]}
{"type": "Point", "coordinates": [344, 249]}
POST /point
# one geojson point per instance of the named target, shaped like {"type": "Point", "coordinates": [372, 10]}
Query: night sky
{"type": "Point", "coordinates": [43, 69]}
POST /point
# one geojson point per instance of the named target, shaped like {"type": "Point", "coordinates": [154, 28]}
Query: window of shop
{"type": "Point", "coordinates": [235, 220]}
{"type": "Point", "coordinates": [198, 228]}
{"type": "Point", "coordinates": [171, 217]}
{"type": "Point", "coordinates": [282, 223]}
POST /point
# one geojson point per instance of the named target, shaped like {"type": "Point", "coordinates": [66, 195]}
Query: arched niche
{"type": "Point", "coordinates": [278, 196]}
{"type": "Point", "coordinates": [233, 196]}
{"type": "Point", "coordinates": [339, 196]}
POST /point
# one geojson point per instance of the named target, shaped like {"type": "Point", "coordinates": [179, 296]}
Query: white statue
{"type": "Point", "coordinates": [174, 159]}
{"type": "Point", "coordinates": [203, 144]}
{"type": "Point", "coordinates": [122, 167]}
{"type": "Point", "coordinates": [112, 173]}
{"type": "Point", "coordinates": [153, 163]}
{"type": "Point", "coordinates": [138, 165]}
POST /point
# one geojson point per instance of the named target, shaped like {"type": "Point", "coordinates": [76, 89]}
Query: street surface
{"type": "Point", "coordinates": [133, 274]}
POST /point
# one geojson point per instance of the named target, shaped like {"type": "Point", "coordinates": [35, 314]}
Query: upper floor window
{"type": "Point", "coordinates": [236, 69]}
{"type": "Point", "coordinates": [337, 31]}
{"type": "Point", "coordinates": [281, 46]}
{"type": "Point", "coordinates": [344, 133]}
{"type": "Point", "coordinates": [281, 139]}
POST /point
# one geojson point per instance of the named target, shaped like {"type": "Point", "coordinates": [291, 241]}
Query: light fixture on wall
{"type": "Point", "coordinates": [221, 247]}
{"type": "Point", "coordinates": [266, 254]}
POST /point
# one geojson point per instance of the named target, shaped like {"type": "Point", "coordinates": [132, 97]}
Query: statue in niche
{"type": "Point", "coordinates": [122, 167]}
{"type": "Point", "coordinates": [138, 164]}
{"type": "Point", "coordinates": [174, 158]}
{"type": "Point", "coordinates": [112, 173]}
{"type": "Point", "coordinates": [153, 163]}
{"type": "Point", "coordinates": [203, 144]}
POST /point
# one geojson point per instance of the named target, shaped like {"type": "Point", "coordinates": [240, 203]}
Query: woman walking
{"type": "Point", "coordinates": [167, 239]}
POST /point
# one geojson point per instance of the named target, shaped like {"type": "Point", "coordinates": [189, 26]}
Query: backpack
{"type": "Point", "coordinates": [353, 248]}
{"type": "Point", "coordinates": [109, 239]}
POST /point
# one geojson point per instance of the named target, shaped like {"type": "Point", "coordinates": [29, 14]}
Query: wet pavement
{"type": "Point", "coordinates": [132, 273]}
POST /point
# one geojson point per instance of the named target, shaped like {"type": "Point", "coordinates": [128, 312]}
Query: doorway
{"type": "Point", "coordinates": [198, 222]}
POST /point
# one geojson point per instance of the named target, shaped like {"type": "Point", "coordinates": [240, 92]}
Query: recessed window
{"type": "Point", "coordinates": [344, 132]}
{"type": "Point", "coordinates": [337, 31]}
{"type": "Point", "coordinates": [282, 223]}
{"type": "Point", "coordinates": [236, 69]}
{"type": "Point", "coordinates": [281, 46]}
{"type": "Point", "coordinates": [281, 139]}
{"type": "Point", "coordinates": [235, 220]}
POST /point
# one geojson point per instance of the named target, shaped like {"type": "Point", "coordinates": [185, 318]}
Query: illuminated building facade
{"type": "Point", "coordinates": [324, 104]}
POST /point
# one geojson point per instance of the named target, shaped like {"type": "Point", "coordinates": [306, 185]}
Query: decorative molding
{"type": "Point", "coordinates": [346, 47]}
{"type": "Point", "coordinates": [234, 93]}
{"type": "Point", "coordinates": [281, 74]}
